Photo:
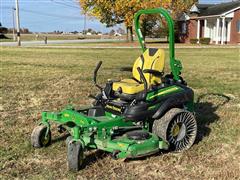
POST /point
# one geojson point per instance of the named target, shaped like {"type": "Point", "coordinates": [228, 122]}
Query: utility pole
{"type": "Point", "coordinates": [18, 23]}
{"type": "Point", "coordinates": [13, 30]}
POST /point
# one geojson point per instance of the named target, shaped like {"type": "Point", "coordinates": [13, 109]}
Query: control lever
{"type": "Point", "coordinates": [95, 75]}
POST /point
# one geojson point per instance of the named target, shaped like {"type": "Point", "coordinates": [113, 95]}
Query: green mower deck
{"type": "Point", "coordinates": [103, 133]}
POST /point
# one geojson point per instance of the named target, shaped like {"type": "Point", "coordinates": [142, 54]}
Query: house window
{"type": "Point", "coordinates": [184, 28]}
{"type": "Point", "coordinates": [238, 26]}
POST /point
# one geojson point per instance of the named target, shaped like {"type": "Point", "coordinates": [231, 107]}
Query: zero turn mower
{"type": "Point", "coordinates": [133, 117]}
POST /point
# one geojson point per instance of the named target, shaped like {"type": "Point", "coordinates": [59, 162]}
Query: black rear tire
{"type": "Point", "coordinates": [75, 156]}
{"type": "Point", "coordinates": [178, 127]}
{"type": "Point", "coordinates": [39, 138]}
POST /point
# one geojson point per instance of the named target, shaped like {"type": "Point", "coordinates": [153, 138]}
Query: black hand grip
{"type": "Point", "coordinates": [96, 70]}
{"type": "Point", "coordinates": [144, 81]}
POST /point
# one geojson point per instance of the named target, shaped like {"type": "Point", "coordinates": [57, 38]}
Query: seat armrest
{"type": "Point", "coordinates": [152, 71]}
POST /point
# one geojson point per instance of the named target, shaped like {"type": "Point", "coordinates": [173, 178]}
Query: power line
{"type": "Point", "coordinates": [6, 7]}
{"type": "Point", "coordinates": [51, 15]}
{"type": "Point", "coordinates": [71, 1]}
{"type": "Point", "coordinates": [44, 14]}
{"type": "Point", "coordinates": [54, 17]}
{"type": "Point", "coordinates": [64, 4]}
{"type": "Point", "coordinates": [49, 21]}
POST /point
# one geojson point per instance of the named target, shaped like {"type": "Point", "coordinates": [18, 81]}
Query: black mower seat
{"type": "Point", "coordinates": [151, 59]}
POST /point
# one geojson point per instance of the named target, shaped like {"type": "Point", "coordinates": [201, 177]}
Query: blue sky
{"type": "Point", "coordinates": [50, 15]}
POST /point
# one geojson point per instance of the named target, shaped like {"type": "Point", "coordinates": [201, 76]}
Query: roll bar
{"type": "Point", "coordinates": [175, 65]}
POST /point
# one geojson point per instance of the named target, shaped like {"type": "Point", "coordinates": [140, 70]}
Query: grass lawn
{"type": "Point", "coordinates": [35, 79]}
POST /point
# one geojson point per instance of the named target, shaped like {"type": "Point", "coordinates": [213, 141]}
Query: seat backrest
{"type": "Point", "coordinates": [150, 59]}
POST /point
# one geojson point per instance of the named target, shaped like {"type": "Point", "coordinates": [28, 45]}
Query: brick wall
{"type": "Point", "coordinates": [235, 36]}
{"type": "Point", "coordinates": [191, 31]}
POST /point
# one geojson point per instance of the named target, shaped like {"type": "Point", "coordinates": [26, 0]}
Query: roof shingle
{"type": "Point", "coordinates": [216, 9]}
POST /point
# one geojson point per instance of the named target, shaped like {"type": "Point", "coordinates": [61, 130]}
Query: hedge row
{"type": "Point", "coordinates": [201, 41]}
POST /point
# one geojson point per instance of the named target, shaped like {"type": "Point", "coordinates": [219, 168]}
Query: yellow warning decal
{"type": "Point", "coordinates": [113, 108]}
{"type": "Point", "coordinates": [66, 115]}
{"type": "Point", "coordinates": [121, 145]}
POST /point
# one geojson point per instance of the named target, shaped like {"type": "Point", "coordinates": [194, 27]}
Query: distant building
{"type": "Point", "coordinates": [219, 22]}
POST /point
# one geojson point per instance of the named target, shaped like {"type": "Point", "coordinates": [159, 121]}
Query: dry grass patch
{"type": "Point", "coordinates": [34, 79]}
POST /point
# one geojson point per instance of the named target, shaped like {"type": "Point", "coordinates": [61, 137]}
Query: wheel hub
{"type": "Point", "coordinates": [179, 131]}
{"type": "Point", "coordinates": [45, 139]}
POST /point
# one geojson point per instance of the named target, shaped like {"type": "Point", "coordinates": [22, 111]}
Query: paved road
{"type": "Point", "coordinates": [30, 43]}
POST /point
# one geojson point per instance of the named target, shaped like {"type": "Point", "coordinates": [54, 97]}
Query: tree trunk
{"type": "Point", "coordinates": [131, 33]}
{"type": "Point", "coordinates": [144, 28]}
{"type": "Point", "coordinates": [127, 34]}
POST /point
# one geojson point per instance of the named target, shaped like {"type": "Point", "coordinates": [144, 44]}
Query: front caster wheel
{"type": "Point", "coordinates": [75, 156]}
{"type": "Point", "coordinates": [178, 127]}
{"type": "Point", "coordinates": [68, 140]}
{"type": "Point", "coordinates": [39, 138]}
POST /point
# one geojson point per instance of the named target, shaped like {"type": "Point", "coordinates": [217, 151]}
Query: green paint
{"type": "Point", "coordinates": [94, 133]}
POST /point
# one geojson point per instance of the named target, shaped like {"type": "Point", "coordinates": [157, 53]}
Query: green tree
{"type": "Point", "coordinates": [3, 31]}
{"type": "Point", "coordinates": [112, 12]}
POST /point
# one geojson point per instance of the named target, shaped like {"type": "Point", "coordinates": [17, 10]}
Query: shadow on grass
{"type": "Point", "coordinates": [94, 156]}
{"type": "Point", "coordinates": [205, 108]}
{"type": "Point", "coordinates": [60, 138]}
{"type": "Point", "coordinates": [126, 69]}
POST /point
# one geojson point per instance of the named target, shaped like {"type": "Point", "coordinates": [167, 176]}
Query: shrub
{"type": "Point", "coordinates": [3, 31]}
{"type": "Point", "coordinates": [194, 41]}
{"type": "Point", "coordinates": [2, 36]}
{"type": "Point", "coordinates": [205, 40]}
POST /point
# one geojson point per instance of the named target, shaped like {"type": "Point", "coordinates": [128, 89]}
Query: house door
{"type": "Point", "coordinates": [211, 32]}
{"type": "Point", "coordinates": [210, 29]}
